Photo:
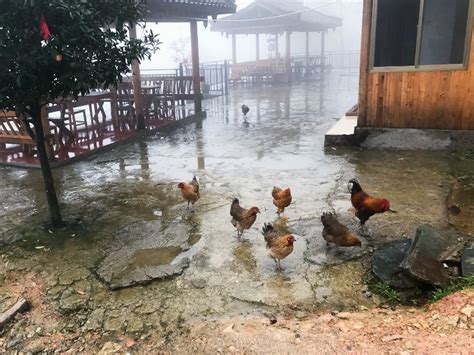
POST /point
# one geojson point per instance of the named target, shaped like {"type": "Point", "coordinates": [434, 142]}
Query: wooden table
{"type": "Point", "coordinates": [95, 102]}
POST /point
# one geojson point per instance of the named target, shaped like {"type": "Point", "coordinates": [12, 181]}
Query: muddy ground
{"type": "Point", "coordinates": [127, 225]}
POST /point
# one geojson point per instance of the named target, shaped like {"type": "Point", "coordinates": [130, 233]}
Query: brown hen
{"type": "Point", "coordinates": [242, 218]}
{"type": "Point", "coordinates": [281, 198]}
{"type": "Point", "coordinates": [336, 233]}
{"type": "Point", "coordinates": [190, 192]}
{"type": "Point", "coordinates": [279, 246]}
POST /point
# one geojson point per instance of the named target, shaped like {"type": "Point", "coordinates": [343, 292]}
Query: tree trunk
{"type": "Point", "coordinates": [46, 169]}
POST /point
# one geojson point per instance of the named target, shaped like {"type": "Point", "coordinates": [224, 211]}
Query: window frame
{"type": "Point", "coordinates": [417, 67]}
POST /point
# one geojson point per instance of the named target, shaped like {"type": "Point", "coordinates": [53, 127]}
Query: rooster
{"type": "Point", "coordinates": [242, 218]}
{"type": "Point", "coordinates": [281, 199]}
{"type": "Point", "coordinates": [336, 233]}
{"type": "Point", "coordinates": [190, 192]}
{"type": "Point", "coordinates": [365, 205]}
{"type": "Point", "coordinates": [245, 110]}
{"type": "Point", "coordinates": [279, 246]}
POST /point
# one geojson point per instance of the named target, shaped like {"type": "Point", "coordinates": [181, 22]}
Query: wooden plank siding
{"type": "Point", "coordinates": [415, 99]}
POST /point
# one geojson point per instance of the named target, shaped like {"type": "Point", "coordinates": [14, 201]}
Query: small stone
{"type": "Point", "coordinates": [410, 345]}
{"type": "Point", "coordinates": [232, 349]}
{"type": "Point", "coordinates": [95, 320]}
{"type": "Point", "coordinates": [343, 315]}
{"type": "Point", "coordinates": [358, 325]}
{"type": "Point", "coordinates": [229, 329]}
{"type": "Point", "coordinates": [453, 320]}
{"type": "Point", "coordinates": [271, 317]}
{"type": "Point", "coordinates": [467, 311]}
{"type": "Point", "coordinates": [31, 335]}
{"type": "Point", "coordinates": [300, 315]}
{"type": "Point", "coordinates": [110, 348]}
{"type": "Point", "coordinates": [14, 342]}
{"type": "Point", "coordinates": [129, 343]}
{"type": "Point", "coordinates": [134, 325]}
{"type": "Point", "coordinates": [199, 283]}
{"type": "Point", "coordinates": [368, 294]}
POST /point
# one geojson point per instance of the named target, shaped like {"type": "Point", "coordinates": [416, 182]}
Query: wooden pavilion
{"type": "Point", "coordinates": [77, 128]}
{"type": "Point", "coordinates": [267, 17]}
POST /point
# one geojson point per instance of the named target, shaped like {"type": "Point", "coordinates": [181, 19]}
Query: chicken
{"type": "Point", "coordinates": [245, 110]}
{"type": "Point", "coordinates": [279, 246]}
{"type": "Point", "coordinates": [190, 192]}
{"type": "Point", "coordinates": [365, 205]}
{"type": "Point", "coordinates": [281, 198]}
{"type": "Point", "coordinates": [242, 218]}
{"type": "Point", "coordinates": [336, 233]}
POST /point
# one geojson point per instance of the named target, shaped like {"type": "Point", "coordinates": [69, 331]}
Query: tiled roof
{"type": "Point", "coordinates": [215, 3]}
{"type": "Point", "coordinates": [270, 16]}
{"type": "Point", "coordinates": [183, 10]}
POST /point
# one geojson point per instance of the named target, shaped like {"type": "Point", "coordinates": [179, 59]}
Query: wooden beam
{"type": "Point", "coordinates": [277, 46]}
{"type": "Point", "coordinates": [323, 52]}
{"type": "Point", "coordinates": [364, 63]}
{"type": "Point", "coordinates": [234, 49]}
{"type": "Point", "coordinates": [257, 44]}
{"type": "Point", "coordinates": [196, 75]}
{"type": "Point", "coordinates": [288, 55]}
{"type": "Point", "coordinates": [307, 53]}
{"type": "Point", "coordinates": [20, 306]}
{"type": "Point", "coordinates": [137, 86]}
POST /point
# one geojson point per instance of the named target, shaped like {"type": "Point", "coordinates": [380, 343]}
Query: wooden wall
{"type": "Point", "coordinates": [422, 99]}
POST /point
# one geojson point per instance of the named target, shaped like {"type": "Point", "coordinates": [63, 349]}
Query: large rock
{"type": "Point", "coordinates": [468, 261]}
{"type": "Point", "coordinates": [386, 264]}
{"type": "Point", "coordinates": [145, 251]}
{"type": "Point", "coordinates": [434, 256]}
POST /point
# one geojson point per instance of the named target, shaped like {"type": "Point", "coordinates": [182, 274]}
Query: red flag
{"type": "Point", "coordinates": [44, 29]}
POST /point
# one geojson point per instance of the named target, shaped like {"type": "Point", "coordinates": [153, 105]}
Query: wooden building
{"type": "Point", "coordinates": [417, 65]}
{"type": "Point", "coordinates": [79, 127]}
{"type": "Point", "coordinates": [275, 18]}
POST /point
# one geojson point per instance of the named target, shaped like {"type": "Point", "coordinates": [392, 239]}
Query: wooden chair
{"type": "Point", "coordinates": [125, 106]}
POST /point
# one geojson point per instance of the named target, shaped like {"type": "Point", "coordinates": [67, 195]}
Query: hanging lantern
{"type": "Point", "coordinates": [44, 29]}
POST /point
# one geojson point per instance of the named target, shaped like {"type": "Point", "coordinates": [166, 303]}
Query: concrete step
{"type": "Point", "coordinates": [342, 132]}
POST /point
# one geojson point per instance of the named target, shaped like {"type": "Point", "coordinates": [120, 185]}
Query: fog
{"type": "Point", "coordinates": [214, 46]}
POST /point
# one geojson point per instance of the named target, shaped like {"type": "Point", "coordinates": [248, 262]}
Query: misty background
{"type": "Point", "coordinates": [213, 46]}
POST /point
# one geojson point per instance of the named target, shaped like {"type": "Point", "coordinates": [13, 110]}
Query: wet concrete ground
{"type": "Point", "coordinates": [135, 185]}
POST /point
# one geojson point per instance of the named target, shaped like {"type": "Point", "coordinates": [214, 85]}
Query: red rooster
{"type": "Point", "coordinates": [365, 205]}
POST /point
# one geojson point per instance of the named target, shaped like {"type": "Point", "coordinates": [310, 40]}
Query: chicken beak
{"type": "Point", "coordinates": [349, 186]}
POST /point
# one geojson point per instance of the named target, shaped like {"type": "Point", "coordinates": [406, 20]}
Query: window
{"type": "Point", "coordinates": [420, 33]}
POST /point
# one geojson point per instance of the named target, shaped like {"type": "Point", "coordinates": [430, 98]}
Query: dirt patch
{"type": "Point", "coordinates": [445, 327]}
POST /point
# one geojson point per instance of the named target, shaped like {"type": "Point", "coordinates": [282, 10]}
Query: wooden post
{"type": "Point", "coordinates": [137, 85]}
{"type": "Point", "coordinates": [307, 54]}
{"type": "Point", "coordinates": [364, 64]}
{"type": "Point", "coordinates": [277, 47]}
{"type": "Point", "coordinates": [234, 49]}
{"type": "Point", "coordinates": [288, 55]}
{"type": "Point", "coordinates": [196, 75]}
{"type": "Point", "coordinates": [323, 60]}
{"type": "Point", "coordinates": [257, 44]}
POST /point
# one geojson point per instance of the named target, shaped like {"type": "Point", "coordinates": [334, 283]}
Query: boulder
{"type": "Point", "coordinates": [145, 251]}
{"type": "Point", "coordinates": [386, 264]}
{"type": "Point", "coordinates": [434, 256]}
{"type": "Point", "coordinates": [467, 261]}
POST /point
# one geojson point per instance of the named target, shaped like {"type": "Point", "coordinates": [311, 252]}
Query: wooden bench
{"type": "Point", "coordinates": [13, 131]}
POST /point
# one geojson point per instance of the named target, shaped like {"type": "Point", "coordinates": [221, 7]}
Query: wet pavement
{"type": "Point", "coordinates": [120, 204]}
